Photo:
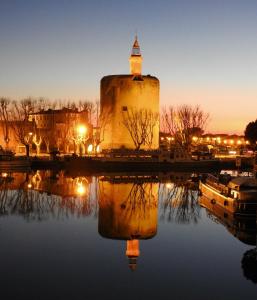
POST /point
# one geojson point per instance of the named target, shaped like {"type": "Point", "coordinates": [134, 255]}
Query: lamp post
{"type": "Point", "coordinates": [81, 136]}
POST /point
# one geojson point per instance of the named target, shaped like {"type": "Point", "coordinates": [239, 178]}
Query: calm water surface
{"type": "Point", "coordinates": [118, 237]}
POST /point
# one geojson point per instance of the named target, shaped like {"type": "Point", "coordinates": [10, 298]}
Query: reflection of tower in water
{"type": "Point", "coordinates": [132, 253]}
{"type": "Point", "coordinates": [128, 211]}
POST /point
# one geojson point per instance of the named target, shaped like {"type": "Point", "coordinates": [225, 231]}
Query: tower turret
{"type": "Point", "coordinates": [132, 253]}
{"type": "Point", "coordinates": [121, 93]}
{"type": "Point", "coordinates": [136, 59]}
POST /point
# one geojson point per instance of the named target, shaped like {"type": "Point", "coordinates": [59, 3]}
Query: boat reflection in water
{"type": "Point", "coordinates": [128, 211]}
{"type": "Point", "coordinates": [241, 227]}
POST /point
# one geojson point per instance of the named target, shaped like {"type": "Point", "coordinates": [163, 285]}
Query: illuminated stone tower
{"type": "Point", "coordinates": [120, 94]}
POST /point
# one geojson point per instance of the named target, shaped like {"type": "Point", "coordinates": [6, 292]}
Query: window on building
{"type": "Point", "coordinates": [124, 108]}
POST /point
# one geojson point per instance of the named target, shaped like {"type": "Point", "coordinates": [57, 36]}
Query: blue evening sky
{"type": "Point", "coordinates": [204, 52]}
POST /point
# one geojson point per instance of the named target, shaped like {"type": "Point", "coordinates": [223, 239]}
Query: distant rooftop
{"type": "Point", "coordinates": [56, 111]}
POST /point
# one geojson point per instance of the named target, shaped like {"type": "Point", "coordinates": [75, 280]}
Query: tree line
{"type": "Point", "coordinates": [251, 133]}
{"type": "Point", "coordinates": [181, 122]}
{"type": "Point", "coordinates": [15, 117]}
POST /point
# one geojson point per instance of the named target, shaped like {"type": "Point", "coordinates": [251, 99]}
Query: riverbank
{"type": "Point", "coordinates": [91, 165]}
{"type": "Point", "coordinates": [96, 165]}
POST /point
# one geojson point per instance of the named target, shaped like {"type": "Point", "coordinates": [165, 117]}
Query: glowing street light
{"type": "Point", "coordinates": [81, 190]}
{"type": "Point", "coordinates": [81, 137]}
{"type": "Point", "coordinates": [169, 185]}
{"type": "Point", "coordinates": [82, 130]}
{"type": "Point", "coordinates": [80, 187]}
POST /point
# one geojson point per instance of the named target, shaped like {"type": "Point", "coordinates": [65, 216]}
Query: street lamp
{"type": "Point", "coordinates": [81, 187]}
{"type": "Point", "coordinates": [82, 130]}
{"type": "Point", "coordinates": [81, 190]}
{"type": "Point", "coordinates": [81, 134]}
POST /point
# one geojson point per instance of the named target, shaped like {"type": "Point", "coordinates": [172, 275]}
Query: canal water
{"type": "Point", "coordinates": [120, 237]}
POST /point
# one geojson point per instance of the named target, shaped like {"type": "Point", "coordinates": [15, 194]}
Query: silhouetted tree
{"type": "Point", "coordinates": [179, 202]}
{"type": "Point", "coordinates": [140, 124]}
{"type": "Point", "coordinates": [5, 106]}
{"type": "Point", "coordinates": [249, 265]}
{"type": "Point", "coordinates": [102, 122]}
{"type": "Point", "coordinates": [34, 197]}
{"type": "Point", "coordinates": [89, 107]}
{"type": "Point", "coordinates": [251, 133]}
{"type": "Point", "coordinates": [21, 125]}
{"type": "Point", "coordinates": [183, 122]}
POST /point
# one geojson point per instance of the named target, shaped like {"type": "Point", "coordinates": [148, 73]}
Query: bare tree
{"type": "Point", "coordinates": [89, 107]}
{"type": "Point", "coordinates": [72, 105]}
{"type": "Point", "coordinates": [140, 125]}
{"type": "Point", "coordinates": [141, 198]}
{"type": "Point", "coordinates": [21, 125]}
{"type": "Point", "coordinates": [179, 203]}
{"type": "Point", "coordinates": [37, 197]}
{"type": "Point", "coordinates": [37, 139]}
{"type": "Point", "coordinates": [102, 122]}
{"type": "Point", "coordinates": [47, 138]}
{"type": "Point", "coordinates": [5, 104]}
{"type": "Point", "coordinates": [183, 122]}
{"type": "Point", "coordinates": [44, 104]}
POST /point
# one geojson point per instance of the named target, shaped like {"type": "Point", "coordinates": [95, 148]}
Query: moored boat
{"type": "Point", "coordinates": [237, 195]}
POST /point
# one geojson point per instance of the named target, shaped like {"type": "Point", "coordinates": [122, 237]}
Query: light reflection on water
{"type": "Point", "coordinates": [155, 221]}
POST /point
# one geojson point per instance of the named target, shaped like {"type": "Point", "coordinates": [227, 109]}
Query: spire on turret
{"type": "Point", "coordinates": [132, 253]}
{"type": "Point", "coordinates": [136, 48]}
{"type": "Point", "coordinates": [135, 59]}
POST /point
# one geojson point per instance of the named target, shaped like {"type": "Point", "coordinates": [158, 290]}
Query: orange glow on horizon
{"type": "Point", "coordinates": [227, 107]}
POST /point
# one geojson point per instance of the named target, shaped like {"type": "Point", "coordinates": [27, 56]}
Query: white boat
{"type": "Point", "coordinates": [237, 195]}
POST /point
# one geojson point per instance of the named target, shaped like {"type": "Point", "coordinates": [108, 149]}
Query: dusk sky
{"type": "Point", "coordinates": [203, 52]}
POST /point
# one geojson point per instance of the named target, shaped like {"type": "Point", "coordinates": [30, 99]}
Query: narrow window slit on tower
{"type": "Point", "coordinates": [124, 108]}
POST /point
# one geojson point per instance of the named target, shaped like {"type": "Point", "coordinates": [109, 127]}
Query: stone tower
{"type": "Point", "coordinates": [122, 93]}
